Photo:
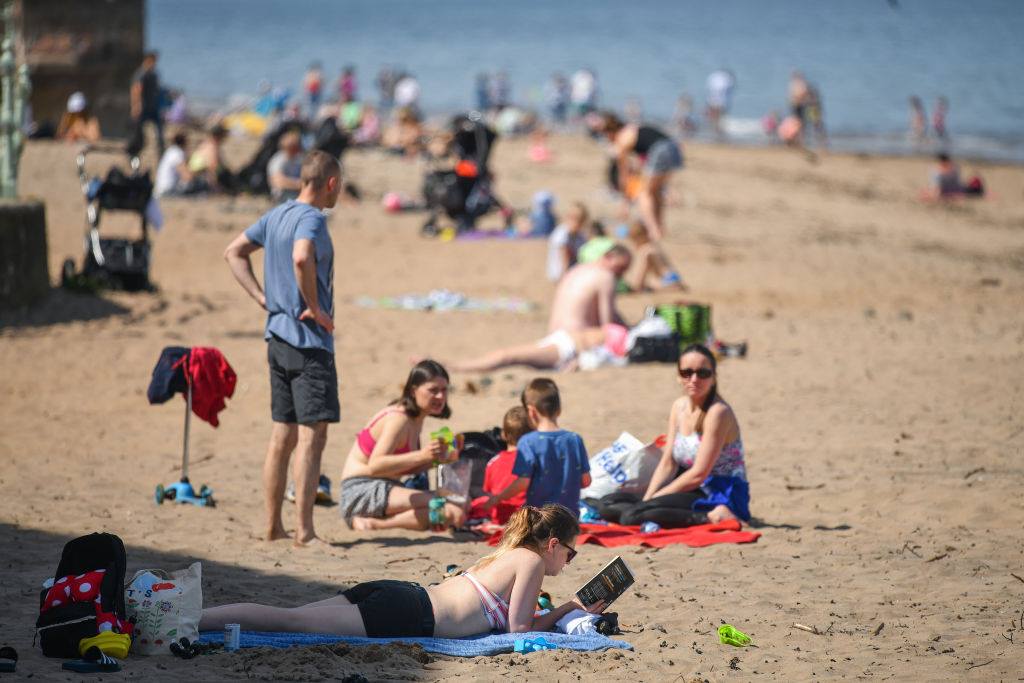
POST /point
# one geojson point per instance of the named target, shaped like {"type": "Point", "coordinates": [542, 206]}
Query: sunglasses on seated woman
{"type": "Point", "coordinates": [572, 551]}
{"type": "Point", "coordinates": [702, 373]}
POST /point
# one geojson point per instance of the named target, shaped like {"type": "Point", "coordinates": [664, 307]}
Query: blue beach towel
{"type": "Point", "coordinates": [477, 646]}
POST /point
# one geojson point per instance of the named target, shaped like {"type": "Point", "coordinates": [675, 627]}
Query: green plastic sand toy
{"type": "Point", "coordinates": [730, 635]}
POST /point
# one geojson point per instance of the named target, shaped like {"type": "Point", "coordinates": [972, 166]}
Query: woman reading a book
{"type": "Point", "coordinates": [499, 593]}
{"type": "Point", "coordinates": [702, 475]}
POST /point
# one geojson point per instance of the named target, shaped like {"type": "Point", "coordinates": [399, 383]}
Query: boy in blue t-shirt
{"type": "Point", "coordinates": [551, 463]}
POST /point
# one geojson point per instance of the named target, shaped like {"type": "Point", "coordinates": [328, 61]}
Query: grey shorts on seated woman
{"type": "Point", "coordinates": [365, 497]}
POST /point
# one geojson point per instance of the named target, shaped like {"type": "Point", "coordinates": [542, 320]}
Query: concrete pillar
{"type": "Point", "coordinates": [24, 272]}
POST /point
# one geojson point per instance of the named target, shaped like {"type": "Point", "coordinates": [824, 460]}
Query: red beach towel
{"type": "Point", "coordinates": [614, 535]}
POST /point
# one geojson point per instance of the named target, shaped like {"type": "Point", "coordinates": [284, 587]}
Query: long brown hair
{"type": "Point", "coordinates": [422, 372]}
{"type": "Point", "coordinates": [712, 396]}
{"type": "Point", "coordinates": [530, 527]}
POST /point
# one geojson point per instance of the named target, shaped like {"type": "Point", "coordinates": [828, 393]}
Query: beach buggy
{"type": "Point", "coordinates": [116, 262]}
{"type": "Point", "coordinates": [464, 192]}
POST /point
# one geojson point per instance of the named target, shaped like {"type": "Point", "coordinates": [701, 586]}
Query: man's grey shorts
{"type": "Point", "coordinates": [664, 156]}
{"type": "Point", "coordinates": [303, 384]}
{"type": "Point", "coordinates": [365, 497]}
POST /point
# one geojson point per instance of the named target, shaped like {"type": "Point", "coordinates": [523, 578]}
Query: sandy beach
{"type": "Point", "coordinates": [880, 406]}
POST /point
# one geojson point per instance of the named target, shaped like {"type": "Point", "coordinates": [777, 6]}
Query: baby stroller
{"type": "Point", "coordinates": [120, 262]}
{"type": "Point", "coordinates": [465, 192]}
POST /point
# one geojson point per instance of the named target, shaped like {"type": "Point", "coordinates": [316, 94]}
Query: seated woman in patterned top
{"type": "Point", "coordinates": [702, 475]}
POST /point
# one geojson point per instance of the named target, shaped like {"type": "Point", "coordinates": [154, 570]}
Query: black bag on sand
{"type": "Point", "coordinates": [479, 448]}
{"type": "Point", "coordinates": [663, 349]}
{"type": "Point", "coordinates": [61, 627]}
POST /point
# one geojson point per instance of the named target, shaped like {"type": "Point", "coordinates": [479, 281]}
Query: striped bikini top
{"type": "Point", "coordinates": [495, 609]}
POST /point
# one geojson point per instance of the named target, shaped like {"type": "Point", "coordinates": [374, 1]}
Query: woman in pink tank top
{"type": "Point", "coordinates": [388, 448]}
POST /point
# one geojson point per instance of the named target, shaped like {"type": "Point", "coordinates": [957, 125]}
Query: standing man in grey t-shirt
{"type": "Point", "coordinates": [298, 295]}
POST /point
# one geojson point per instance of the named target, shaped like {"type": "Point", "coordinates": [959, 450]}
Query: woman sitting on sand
{"type": "Point", "coordinates": [388, 448]}
{"type": "Point", "coordinates": [702, 476]}
{"type": "Point", "coordinates": [560, 350]}
{"type": "Point", "coordinates": [499, 593]}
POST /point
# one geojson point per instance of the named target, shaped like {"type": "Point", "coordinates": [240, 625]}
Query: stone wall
{"type": "Point", "coordinates": [89, 45]}
{"type": "Point", "coordinates": [24, 273]}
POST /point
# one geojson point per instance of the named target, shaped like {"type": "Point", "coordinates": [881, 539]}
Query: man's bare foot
{"type": "Point", "coordinates": [363, 524]}
{"type": "Point", "coordinates": [277, 534]}
{"type": "Point", "coordinates": [720, 514]}
{"type": "Point", "coordinates": [311, 542]}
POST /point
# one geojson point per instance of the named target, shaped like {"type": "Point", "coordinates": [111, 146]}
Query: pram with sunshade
{"type": "Point", "coordinates": [464, 192]}
{"type": "Point", "coordinates": [116, 262]}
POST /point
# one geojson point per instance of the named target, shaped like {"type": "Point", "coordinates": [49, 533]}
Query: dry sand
{"type": "Point", "coordinates": [880, 405]}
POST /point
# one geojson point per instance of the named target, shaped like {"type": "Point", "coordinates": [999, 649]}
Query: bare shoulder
{"type": "Point", "coordinates": [523, 558]}
{"type": "Point", "coordinates": [721, 413]}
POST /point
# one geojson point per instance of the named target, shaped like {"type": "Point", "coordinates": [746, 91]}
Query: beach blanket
{"type": "Point", "coordinates": [445, 300]}
{"type": "Point", "coordinates": [478, 646]}
{"type": "Point", "coordinates": [614, 535]}
{"type": "Point", "coordinates": [476, 235]}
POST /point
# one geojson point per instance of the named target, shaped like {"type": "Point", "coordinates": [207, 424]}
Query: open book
{"type": "Point", "coordinates": [611, 582]}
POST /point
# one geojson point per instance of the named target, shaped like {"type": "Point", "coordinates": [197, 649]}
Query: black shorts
{"type": "Point", "coordinates": [393, 609]}
{"type": "Point", "coordinates": [303, 384]}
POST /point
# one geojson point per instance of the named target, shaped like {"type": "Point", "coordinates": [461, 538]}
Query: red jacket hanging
{"type": "Point", "coordinates": [212, 381]}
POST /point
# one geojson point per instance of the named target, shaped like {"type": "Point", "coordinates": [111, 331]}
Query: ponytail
{"type": "Point", "coordinates": [530, 527]}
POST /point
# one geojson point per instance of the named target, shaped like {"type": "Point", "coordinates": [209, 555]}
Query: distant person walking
{"type": "Point", "coordinates": [556, 95]}
{"type": "Point", "coordinates": [407, 94]}
{"type": "Point", "coordinates": [720, 85]}
{"type": "Point", "coordinates": [482, 92]}
{"type": "Point", "coordinates": [939, 118]}
{"type": "Point", "coordinates": [583, 93]}
{"type": "Point", "coordinates": [918, 120]}
{"type": "Point", "coordinates": [145, 103]}
{"type": "Point", "coordinates": [313, 84]}
{"type": "Point", "coordinates": [347, 86]}
{"type": "Point", "coordinates": [298, 295]}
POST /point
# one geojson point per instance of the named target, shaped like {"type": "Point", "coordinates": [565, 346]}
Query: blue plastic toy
{"type": "Point", "coordinates": [525, 645]}
{"type": "Point", "coordinates": [181, 491]}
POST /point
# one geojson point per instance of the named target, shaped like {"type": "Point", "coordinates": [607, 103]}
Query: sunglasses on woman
{"type": "Point", "coordinates": [702, 373]}
{"type": "Point", "coordinates": [572, 551]}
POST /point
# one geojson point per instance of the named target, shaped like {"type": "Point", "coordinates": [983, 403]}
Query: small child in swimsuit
{"type": "Point", "coordinates": [551, 463]}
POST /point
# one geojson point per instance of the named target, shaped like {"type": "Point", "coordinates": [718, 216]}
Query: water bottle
{"type": "Point", "coordinates": [649, 527]}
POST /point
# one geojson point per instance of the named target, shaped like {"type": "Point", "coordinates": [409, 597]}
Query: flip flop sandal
{"type": "Point", "coordinates": [93, 661]}
{"type": "Point", "coordinates": [730, 635]}
{"type": "Point", "coordinates": [109, 643]}
{"type": "Point", "coordinates": [8, 659]}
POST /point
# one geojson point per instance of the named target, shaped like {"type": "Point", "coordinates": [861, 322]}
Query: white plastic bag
{"type": "Point", "coordinates": [453, 480]}
{"type": "Point", "coordinates": [627, 465]}
{"type": "Point", "coordinates": [165, 607]}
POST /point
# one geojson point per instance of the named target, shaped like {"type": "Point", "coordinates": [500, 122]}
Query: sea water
{"type": "Point", "coordinates": [866, 56]}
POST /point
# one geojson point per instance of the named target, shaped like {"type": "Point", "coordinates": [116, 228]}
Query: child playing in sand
{"type": "Point", "coordinates": [542, 215]}
{"type": "Point", "coordinates": [499, 593]}
{"type": "Point", "coordinates": [551, 463]}
{"type": "Point", "coordinates": [596, 245]}
{"type": "Point", "coordinates": [499, 469]}
{"type": "Point", "coordinates": [651, 262]}
{"type": "Point", "coordinates": [565, 241]}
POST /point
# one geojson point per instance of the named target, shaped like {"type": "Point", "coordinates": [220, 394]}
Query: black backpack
{"type": "Point", "coordinates": [479, 448]}
{"type": "Point", "coordinates": [60, 628]}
